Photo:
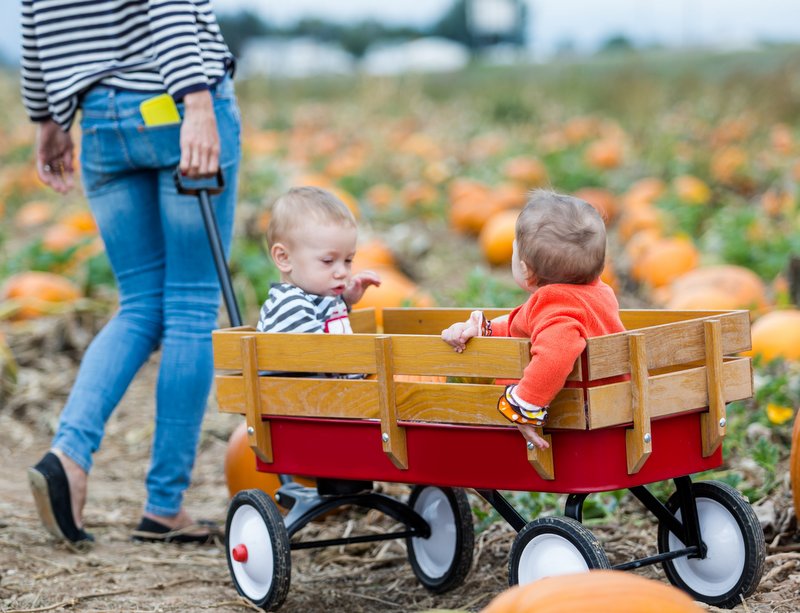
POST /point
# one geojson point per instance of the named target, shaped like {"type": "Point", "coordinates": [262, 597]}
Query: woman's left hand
{"type": "Point", "coordinates": [54, 156]}
{"type": "Point", "coordinates": [199, 136]}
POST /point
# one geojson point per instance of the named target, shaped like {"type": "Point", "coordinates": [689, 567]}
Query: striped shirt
{"type": "Point", "coordinates": [289, 309]}
{"type": "Point", "coordinates": [140, 45]}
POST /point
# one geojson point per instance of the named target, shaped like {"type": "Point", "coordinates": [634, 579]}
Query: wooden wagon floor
{"type": "Point", "coordinates": [117, 575]}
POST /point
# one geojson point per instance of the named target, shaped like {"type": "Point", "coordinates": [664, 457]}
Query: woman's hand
{"type": "Point", "coordinates": [54, 156]}
{"type": "Point", "coordinates": [199, 136]}
{"type": "Point", "coordinates": [358, 285]}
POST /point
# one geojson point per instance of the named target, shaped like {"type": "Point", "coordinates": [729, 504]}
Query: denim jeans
{"type": "Point", "coordinates": [168, 288]}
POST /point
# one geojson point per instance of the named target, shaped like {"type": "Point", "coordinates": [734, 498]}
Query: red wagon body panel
{"type": "Point", "coordinates": [484, 457]}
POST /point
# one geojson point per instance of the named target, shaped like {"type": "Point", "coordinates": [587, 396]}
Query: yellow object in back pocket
{"type": "Point", "coordinates": [159, 111]}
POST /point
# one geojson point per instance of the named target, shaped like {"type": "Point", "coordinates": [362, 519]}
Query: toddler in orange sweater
{"type": "Point", "coordinates": [558, 255]}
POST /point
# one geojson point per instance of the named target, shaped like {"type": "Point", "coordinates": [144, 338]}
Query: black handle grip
{"type": "Point", "coordinates": [195, 190]}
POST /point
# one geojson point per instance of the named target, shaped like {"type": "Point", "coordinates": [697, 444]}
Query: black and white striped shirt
{"type": "Point", "coordinates": [289, 309]}
{"type": "Point", "coordinates": [141, 45]}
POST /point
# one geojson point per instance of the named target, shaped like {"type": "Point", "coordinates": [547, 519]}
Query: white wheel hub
{"type": "Point", "coordinates": [547, 555]}
{"type": "Point", "coordinates": [721, 569]}
{"type": "Point", "coordinates": [436, 553]}
{"type": "Point", "coordinates": [254, 574]}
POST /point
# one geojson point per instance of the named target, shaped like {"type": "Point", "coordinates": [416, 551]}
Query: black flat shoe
{"type": "Point", "coordinates": [152, 531]}
{"type": "Point", "coordinates": [50, 490]}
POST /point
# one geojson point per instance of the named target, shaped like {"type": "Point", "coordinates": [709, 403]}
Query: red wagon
{"type": "Point", "coordinates": [665, 420]}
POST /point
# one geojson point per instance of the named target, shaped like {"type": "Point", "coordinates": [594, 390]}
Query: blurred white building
{"type": "Point", "coordinates": [422, 55]}
{"type": "Point", "coordinates": [296, 57]}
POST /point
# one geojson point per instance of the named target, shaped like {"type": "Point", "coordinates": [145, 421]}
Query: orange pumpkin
{"type": "Point", "coordinates": [604, 154]}
{"type": "Point", "coordinates": [598, 591]}
{"type": "Point", "coordinates": [600, 198]}
{"type": "Point", "coordinates": [39, 293]}
{"type": "Point", "coordinates": [777, 335]}
{"type": "Point", "coordinates": [717, 287]}
{"type": "Point", "coordinates": [692, 190]}
{"type": "Point", "coordinates": [240, 467]}
{"type": "Point", "coordinates": [497, 237]}
{"type": "Point", "coordinates": [373, 254]}
{"type": "Point", "coordinates": [33, 213]}
{"type": "Point", "coordinates": [526, 170]}
{"type": "Point", "coordinates": [665, 261]}
{"type": "Point", "coordinates": [794, 465]}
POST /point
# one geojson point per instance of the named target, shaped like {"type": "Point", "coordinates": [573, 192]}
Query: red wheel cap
{"type": "Point", "coordinates": [239, 553]}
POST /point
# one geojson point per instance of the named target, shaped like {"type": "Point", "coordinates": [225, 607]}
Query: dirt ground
{"type": "Point", "coordinates": [38, 574]}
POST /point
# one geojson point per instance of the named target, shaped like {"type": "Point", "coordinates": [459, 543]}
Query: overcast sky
{"type": "Point", "coordinates": [586, 22]}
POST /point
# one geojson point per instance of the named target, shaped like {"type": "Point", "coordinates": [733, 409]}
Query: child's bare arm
{"type": "Point", "coordinates": [459, 333]}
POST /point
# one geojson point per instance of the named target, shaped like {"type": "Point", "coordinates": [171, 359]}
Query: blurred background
{"type": "Point", "coordinates": [433, 120]}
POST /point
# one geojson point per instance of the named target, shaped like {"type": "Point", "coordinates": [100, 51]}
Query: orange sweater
{"type": "Point", "coordinates": [558, 319]}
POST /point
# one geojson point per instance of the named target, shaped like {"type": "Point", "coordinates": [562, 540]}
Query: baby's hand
{"type": "Point", "coordinates": [531, 435]}
{"type": "Point", "coordinates": [358, 285]}
{"type": "Point", "coordinates": [458, 334]}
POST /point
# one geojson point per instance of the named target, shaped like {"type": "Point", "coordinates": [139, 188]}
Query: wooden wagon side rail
{"type": "Point", "coordinates": [699, 377]}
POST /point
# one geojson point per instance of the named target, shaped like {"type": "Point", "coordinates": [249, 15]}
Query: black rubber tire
{"type": "Point", "coordinates": [278, 588]}
{"type": "Point", "coordinates": [457, 567]}
{"type": "Point", "coordinates": [739, 509]}
{"type": "Point", "coordinates": [577, 537]}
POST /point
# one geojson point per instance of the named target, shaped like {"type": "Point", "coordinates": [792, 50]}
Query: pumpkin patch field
{"type": "Point", "coordinates": [692, 159]}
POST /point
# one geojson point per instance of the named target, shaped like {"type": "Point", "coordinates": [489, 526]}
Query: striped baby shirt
{"type": "Point", "coordinates": [140, 45]}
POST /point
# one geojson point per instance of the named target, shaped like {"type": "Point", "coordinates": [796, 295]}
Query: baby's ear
{"type": "Point", "coordinates": [280, 255]}
{"type": "Point", "coordinates": [530, 276]}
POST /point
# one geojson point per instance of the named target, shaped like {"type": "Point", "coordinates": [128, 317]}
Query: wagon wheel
{"type": "Point", "coordinates": [257, 548]}
{"type": "Point", "coordinates": [734, 540]}
{"type": "Point", "coordinates": [441, 561]}
{"type": "Point", "coordinates": [794, 465]}
{"type": "Point", "coordinates": [553, 546]}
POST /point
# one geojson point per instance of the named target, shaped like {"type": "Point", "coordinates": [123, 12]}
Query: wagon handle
{"type": "Point", "coordinates": [212, 229]}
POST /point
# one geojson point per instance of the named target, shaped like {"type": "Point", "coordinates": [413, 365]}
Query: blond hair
{"type": "Point", "coordinates": [561, 239]}
{"type": "Point", "coordinates": [303, 204]}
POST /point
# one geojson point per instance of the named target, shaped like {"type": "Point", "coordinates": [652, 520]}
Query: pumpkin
{"type": "Point", "coordinates": [39, 293]}
{"type": "Point", "coordinates": [643, 217]}
{"type": "Point", "coordinates": [240, 467]}
{"type": "Point", "coordinates": [777, 335]}
{"type": "Point", "coordinates": [794, 465]}
{"type": "Point", "coordinates": [721, 287]}
{"type": "Point", "coordinates": [601, 199]}
{"type": "Point", "coordinates": [665, 260]}
{"type": "Point", "coordinates": [381, 196]}
{"type": "Point", "coordinates": [596, 591]}
{"type": "Point", "coordinates": [373, 254]}
{"type": "Point", "coordinates": [526, 170]}
{"type": "Point", "coordinates": [646, 190]}
{"type": "Point", "coordinates": [497, 237]}
{"type": "Point", "coordinates": [33, 213]}
{"type": "Point", "coordinates": [82, 221]}
{"type": "Point", "coordinates": [604, 154]}
{"type": "Point", "coordinates": [692, 190]}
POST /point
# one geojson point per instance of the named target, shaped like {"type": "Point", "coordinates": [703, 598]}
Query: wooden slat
{"type": "Point", "coordinates": [638, 443]}
{"type": "Point", "coordinates": [341, 353]}
{"type": "Point", "coordinates": [467, 404]}
{"type": "Point", "coordinates": [292, 396]}
{"type": "Point", "coordinates": [633, 319]}
{"type": "Point", "coordinates": [673, 343]}
{"type": "Point", "coordinates": [713, 422]}
{"type": "Point", "coordinates": [258, 431]}
{"type": "Point", "coordinates": [542, 459]}
{"type": "Point", "coordinates": [363, 321]}
{"type": "Point", "coordinates": [675, 392]}
{"type": "Point", "coordinates": [453, 403]}
{"type": "Point", "coordinates": [429, 321]}
{"type": "Point", "coordinates": [393, 437]}
{"type": "Point", "coordinates": [484, 357]}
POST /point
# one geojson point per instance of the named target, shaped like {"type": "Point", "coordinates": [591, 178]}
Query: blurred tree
{"type": "Point", "coordinates": [617, 44]}
{"type": "Point", "coordinates": [461, 23]}
{"type": "Point", "coordinates": [238, 28]}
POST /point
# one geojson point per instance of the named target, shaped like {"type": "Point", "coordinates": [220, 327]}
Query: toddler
{"type": "Point", "coordinates": [558, 255]}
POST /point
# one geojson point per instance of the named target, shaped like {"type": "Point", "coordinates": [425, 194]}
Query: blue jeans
{"type": "Point", "coordinates": [168, 287]}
